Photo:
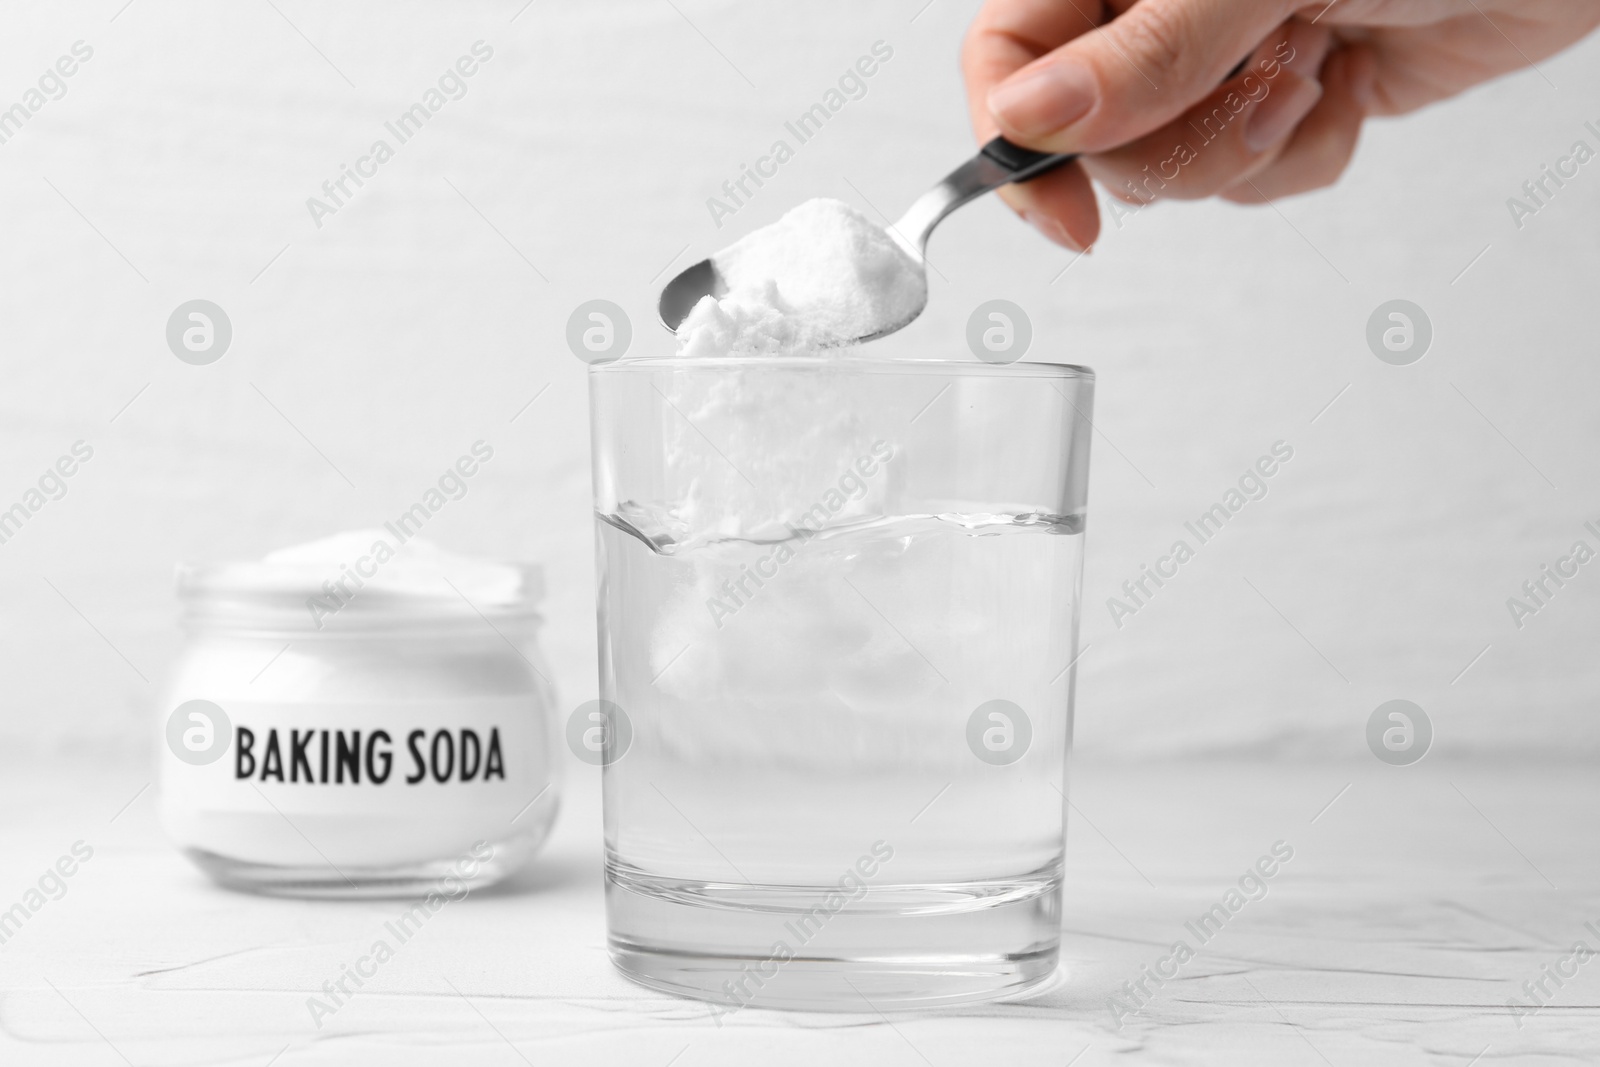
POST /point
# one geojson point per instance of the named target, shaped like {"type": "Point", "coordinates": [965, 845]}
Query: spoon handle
{"type": "Point", "coordinates": [998, 163]}
{"type": "Point", "coordinates": [1024, 164]}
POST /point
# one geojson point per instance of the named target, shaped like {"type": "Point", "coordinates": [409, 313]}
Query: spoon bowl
{"type": "Point", "coordinates": [687, 289]}
{"type": "Point", "coordinates": [998, 163]}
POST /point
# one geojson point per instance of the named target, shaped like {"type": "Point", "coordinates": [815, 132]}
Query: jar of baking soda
{"type": "Point", "coordinates": [360, 716]}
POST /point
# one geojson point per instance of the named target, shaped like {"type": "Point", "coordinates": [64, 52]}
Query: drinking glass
{"type": "Point", "coordinates": [838, 612]}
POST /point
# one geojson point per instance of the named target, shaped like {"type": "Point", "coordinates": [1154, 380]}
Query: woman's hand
{"type": "Point", "coordinates": [1134, 86]}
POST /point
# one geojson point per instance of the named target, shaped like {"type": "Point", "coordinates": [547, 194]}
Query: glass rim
{"type": "Point", "coordinates": [875, 364]}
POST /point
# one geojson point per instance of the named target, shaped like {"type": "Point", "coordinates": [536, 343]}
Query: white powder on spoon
{"type": "Point", "coordinates": [823, 275]}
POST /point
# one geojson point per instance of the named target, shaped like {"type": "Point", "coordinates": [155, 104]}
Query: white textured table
{"type": "Point", "coordinates": [1414, 906]}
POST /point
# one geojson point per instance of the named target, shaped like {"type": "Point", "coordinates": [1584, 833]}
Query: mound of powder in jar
{"type": "Point", "coordinates": [823, 275]}
{"type": "Point", "coordinates": [387, 565]}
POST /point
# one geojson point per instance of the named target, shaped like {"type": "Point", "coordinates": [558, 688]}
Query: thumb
{"type": "Point", "coordinates": [1132, 75]}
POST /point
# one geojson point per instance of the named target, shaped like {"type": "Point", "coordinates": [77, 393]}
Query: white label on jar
{"type": "Point", "coordinates": [426, 757]}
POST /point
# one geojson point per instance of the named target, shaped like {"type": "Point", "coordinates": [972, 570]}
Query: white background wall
{"type": "Point", "coordinates": [406, 327]}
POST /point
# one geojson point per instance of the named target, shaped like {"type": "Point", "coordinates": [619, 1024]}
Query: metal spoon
{"type": "Point", "coordinates": [998, 163]}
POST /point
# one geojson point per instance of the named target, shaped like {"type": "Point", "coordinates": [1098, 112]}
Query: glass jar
{"type": "Point", "coordinates": [365, 727]}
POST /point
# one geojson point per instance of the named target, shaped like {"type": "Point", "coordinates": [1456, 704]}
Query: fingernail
{"type": "Point", "coordinates": [1285, 105]}
{"type": "Point", "coordinates": [1051, 229]}
{"type": "Point", "coordinates": [1043, 98]}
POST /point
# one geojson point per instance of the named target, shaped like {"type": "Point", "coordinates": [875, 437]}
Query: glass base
{"type": "Point", "coordinates": [897, 947]}
{"type": "Point", "coordinates": [323, 882]}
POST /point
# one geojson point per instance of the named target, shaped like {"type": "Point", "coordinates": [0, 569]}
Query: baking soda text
{"type": "Point", "coordinates": [344, 752]}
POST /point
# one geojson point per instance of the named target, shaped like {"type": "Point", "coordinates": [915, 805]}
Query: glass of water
{"type": "Point", "coordinates": [838, 612]}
